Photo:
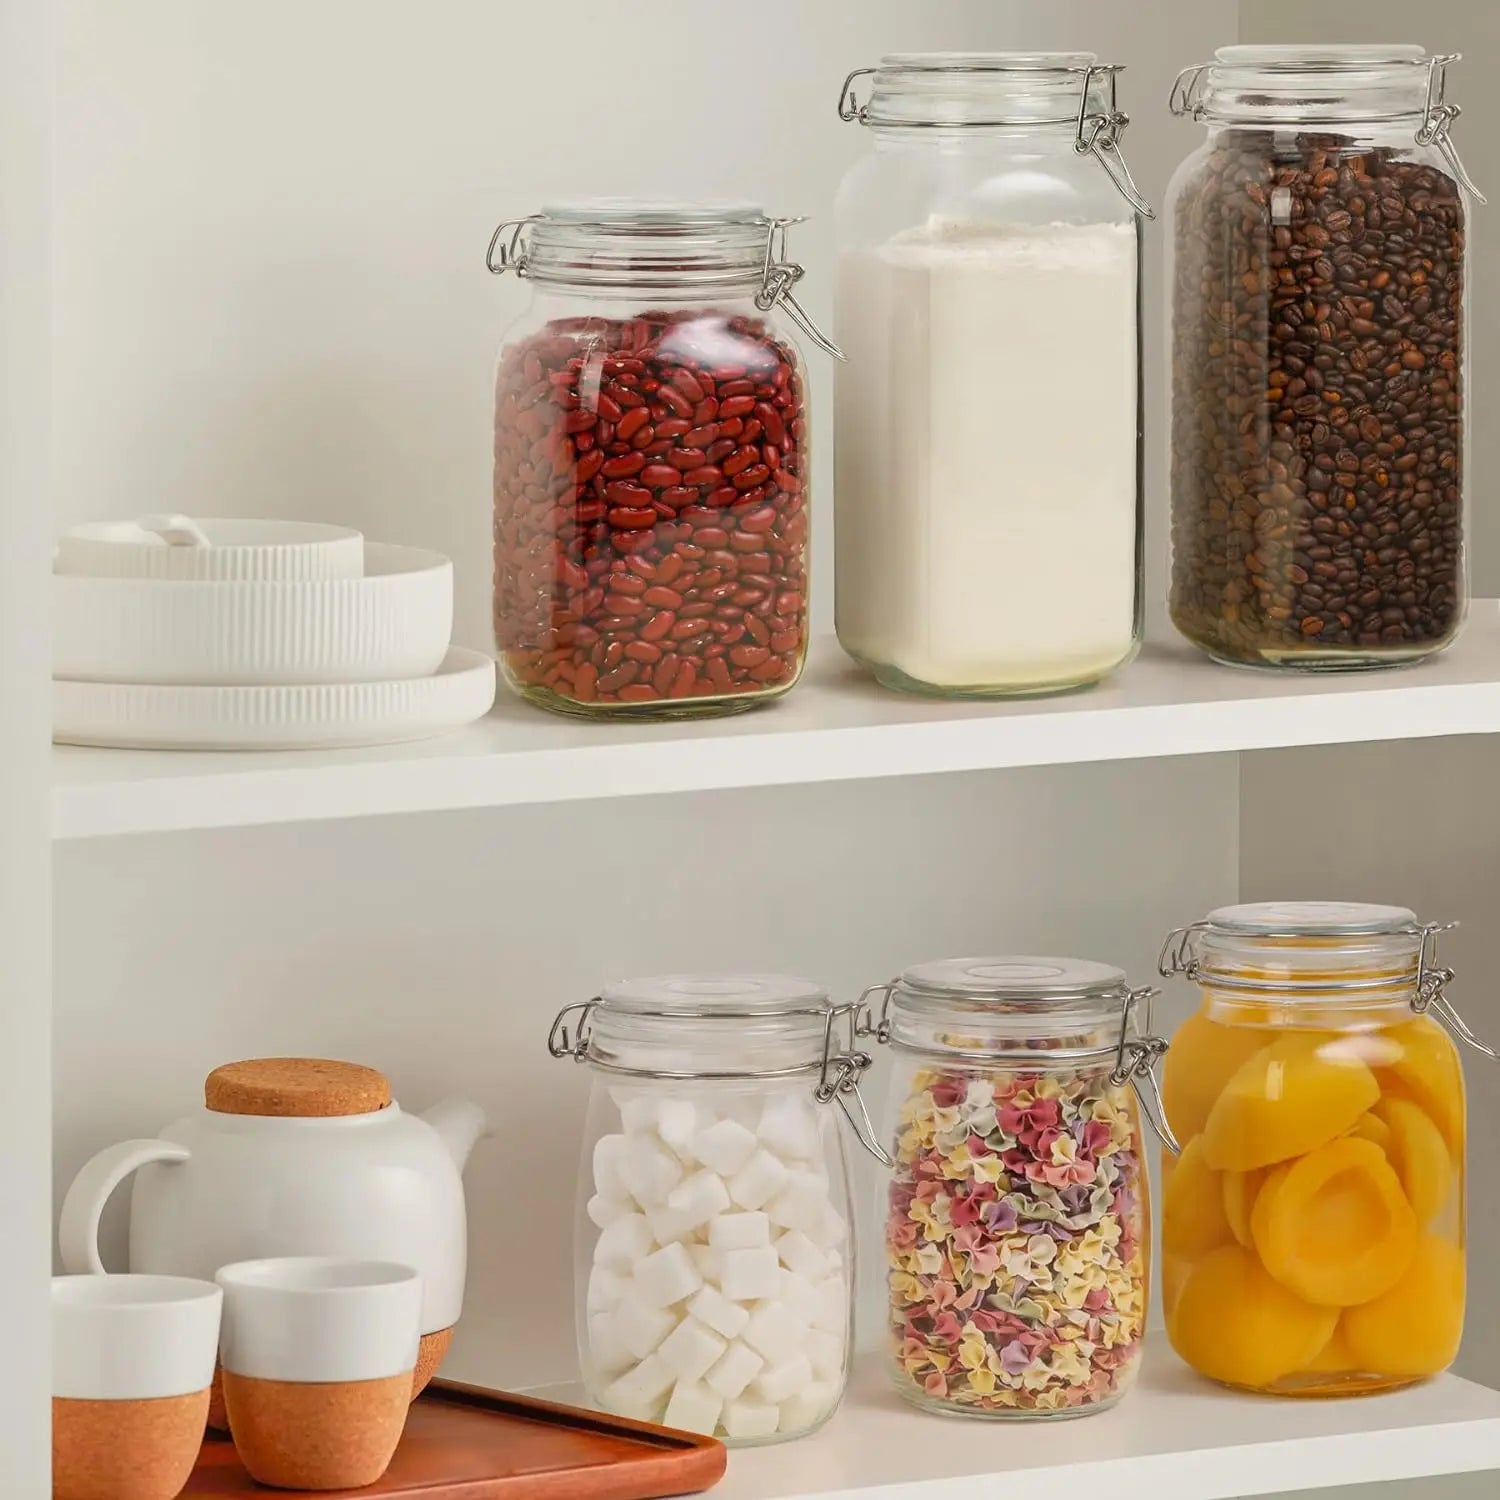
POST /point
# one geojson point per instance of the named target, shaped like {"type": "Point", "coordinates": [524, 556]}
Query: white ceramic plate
{"type": "Point", "coordinates": [182, 548]}
{"type": "Point", "coordinates": [391, 625]}
{"type": "Point", "coordinates": [311, 716]}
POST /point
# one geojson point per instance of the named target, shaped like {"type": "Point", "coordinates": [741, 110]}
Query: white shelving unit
{"type": "Point", "coordinates": [837, 726]}
{"type": "Point", "coordinates": [1175, 1436]}
{"type": "Point", "coordinates": [289, 316]}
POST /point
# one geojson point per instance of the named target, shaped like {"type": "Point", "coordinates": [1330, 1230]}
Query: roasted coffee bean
{"type": "Point", "coordinates": [1317, 412]}
{"type": "Point", "coordinates": [650, 517]}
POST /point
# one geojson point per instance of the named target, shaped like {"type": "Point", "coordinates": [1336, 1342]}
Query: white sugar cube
{"type": "Point", "coordinates": [725, 1146]}
{"type": "Point", "coordinates": [828, 1353]}
{"type": "Point", "coordinates": [706, 1258]}
{"type": "Point", "coordinates": [609, 1354]}
{"type": "Point", "coordinates": [739, 1231]}
{"type": "Point", "coordinates": [800, 1204]}
{"type": "Point", "coordinates": [638, 1113]}
{"type": "Point", "coordinates": [830, 1229]}
{"type": "Point", "coordinates": [667, 1276]}
{"type": "Point", "coordinates": [758, 1181]}
{"type": "Point", "coordinates": [677, 1125]}
{"type": "Point", "coordinates": [799, 1296]}
{"type": "Point", "coordinates": [622, 1244]}
{"type": "Point", "coordinates": [734, 1371]}
{"type": "Point", "coordinates": [697, 1199]}
{"type": "Point", "coordinates": [746, 1275]}
{"type": "Point", "coordinates": [667, 1225]}
{"type": "Point", "coordinates": [789, 1127]}
{"type": "Point", "coordinates": [604, 1211]}
{"type": "Point", "coordinates": [693, 1408]}
{"type": "Point", "coordinates": [649, 1170]}
{"type": "Point", "coordinates": [799, 1254]}
{"type": "Point", "coordinates": [608, 1152]}
{"type": "Point", "coordinates": [718, 1312]}
{"type": "Point", "coordinates": [640, 1328]}
{"type": "Point", "coordinates": [750, 1419]}
{"type": "Point", "coordinates": [807, 1407]}
{"type": "Point", "coordinates": [832, 1314]}
{"type": "Point", "coordinates": [774, 1332]}
{"type": "Point", "coordinates": [776, 1382]}
{"type": "Point", "coordinates": [640, 1391]}
{"type": "Point", "coordinates": [690, 1349]}
{"type": "Point", "coordinates": [606, 1287]}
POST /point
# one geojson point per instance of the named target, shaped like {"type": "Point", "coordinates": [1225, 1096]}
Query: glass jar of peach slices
{"type": "Point", "coordinates": [1313, 1224]}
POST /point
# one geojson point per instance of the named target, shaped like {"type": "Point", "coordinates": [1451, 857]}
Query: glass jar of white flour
{"type": "Point", "coordinates": [988, 427]}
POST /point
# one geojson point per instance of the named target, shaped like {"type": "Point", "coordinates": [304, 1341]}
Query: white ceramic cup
{"type": "Point", "coordinates": [133, 1338]}
{"type": "Point", "coordinates": [315, 1319]}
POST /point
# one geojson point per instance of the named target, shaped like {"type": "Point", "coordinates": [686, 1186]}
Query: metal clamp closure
{"type": "Point", "coordinates": [1437, 120]}
{"type": "Point", "coordinates": [560, 1044]}
{"type": "Point", "coordinates": [838, 1081]}
{"type": "Point", "coordinates": [1431, 994]}
{"type": "Point", "coordinates": [1098, 135]}
{"type": "Point", "coordinates": [510, 255]}
{"type": "Point", "coordinates": [849, 107]}
{"type": "Point", "coordinates": [1135, 1064]}
{"type": "Point", "coordinates": [1186, 97]}
{"type": "Point", "coordinates": [778, 276]}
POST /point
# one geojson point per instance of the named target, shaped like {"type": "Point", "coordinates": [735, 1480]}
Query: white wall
{"type": "Point", "coordinates": [271, 219]}
{"type": "Point", "coordinates": [25, 1216]}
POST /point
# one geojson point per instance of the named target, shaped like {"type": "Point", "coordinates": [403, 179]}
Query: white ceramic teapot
{"type": "Point", "coordinates": [293, 1156]}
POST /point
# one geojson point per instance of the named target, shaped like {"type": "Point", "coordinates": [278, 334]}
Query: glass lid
{"type": "Point", "coordinates": [1315, 944]}
{"type": "Point", "coordinates": [1019, 978]}
{"type": "Point", "coordinates": [958, 89]}
{"type": "Point", "coordinates": [706, 996]}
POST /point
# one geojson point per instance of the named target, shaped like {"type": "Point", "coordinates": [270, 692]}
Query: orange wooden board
{"type": "Point", "coordinates": [466, 1443]}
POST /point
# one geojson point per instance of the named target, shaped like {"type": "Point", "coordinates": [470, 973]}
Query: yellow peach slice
{"type": "Point", "coordinates": [1193, 1219]}
{"type": "Point", "coordinates": [1334, 1357]}
{"type": "Point", "coordinates": [1240, 1191]}
{"type": "Point", "coordinates": [1415, 1327]}
{"type": "Point", "coordinates": [1370, 1127]}
{"type": "Point", "coordinates": [1233, 1323]}
{"type": "Point", "coordinates": [1204, 1055]}
{"type": "Point", "coordinates": [1334, 1226]}
{"type": "Point", "coordinates": [1296, 1094]}
{"type": "Point", "coordinates": [1429, 1073]}
{"type": "Point", "coordinates": [1419, 1155]}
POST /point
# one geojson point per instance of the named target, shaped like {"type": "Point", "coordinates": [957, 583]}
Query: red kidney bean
{"type": "Point", "coordinates": [649, 518]}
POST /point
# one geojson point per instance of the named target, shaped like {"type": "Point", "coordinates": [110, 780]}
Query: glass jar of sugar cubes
{"type": "Point", "coordinates": [1018, 1225]}
{"type": "Point", "coordinates": [715, 1268]}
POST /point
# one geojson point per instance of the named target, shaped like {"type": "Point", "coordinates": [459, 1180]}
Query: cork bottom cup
{"type": "Point", "coordinates": [125, 1450]}
{"type": "Point", "coordinates": [333, 1436]}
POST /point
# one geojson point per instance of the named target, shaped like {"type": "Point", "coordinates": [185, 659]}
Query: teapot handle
{"type": "Point", "coordinates": [78, 1224]}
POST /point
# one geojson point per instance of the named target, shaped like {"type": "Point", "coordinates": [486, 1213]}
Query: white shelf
{"type": "Point", "coordinates": [837, 725]}
{"type": "Point", "coordinates": [1175, 1437]}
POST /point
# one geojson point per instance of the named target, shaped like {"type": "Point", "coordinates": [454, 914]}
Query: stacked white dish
{"type": "Point", "coordinates": [170, 633]}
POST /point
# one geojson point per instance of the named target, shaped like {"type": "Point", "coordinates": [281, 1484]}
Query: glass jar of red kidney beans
{"type": "Point", "coordinates": [651, 462]}
{"type": "Point", "coordinates": [1319, 359]}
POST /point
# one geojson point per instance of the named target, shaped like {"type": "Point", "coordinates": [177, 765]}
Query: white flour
{"type": "Point", "coordinates": [985, 465]}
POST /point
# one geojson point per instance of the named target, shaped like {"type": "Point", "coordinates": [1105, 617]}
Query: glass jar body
{"type": "Point", "coordinates": [1319, 363]}
{"type": "Point", "coordinates": [650, 504]}
{"type": "Point", "coordinates": [1313, 1227]}
{"type": "Point", "coordinates": [715, 1267]}
{"type": "Point", "coordinates": [988, 304]}
{"type": "Point", "coordinates": [1017, 1236]}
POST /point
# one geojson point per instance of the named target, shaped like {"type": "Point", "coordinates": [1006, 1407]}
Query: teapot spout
{"type": "Point", "coordinates": [460, 1123]}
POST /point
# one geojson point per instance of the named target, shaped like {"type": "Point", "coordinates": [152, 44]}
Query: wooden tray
{"type": "Point", "coordinates": [463, 1442]}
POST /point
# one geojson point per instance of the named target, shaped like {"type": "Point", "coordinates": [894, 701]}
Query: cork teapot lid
{"type": "Point", "coordinates": [295, 1087]}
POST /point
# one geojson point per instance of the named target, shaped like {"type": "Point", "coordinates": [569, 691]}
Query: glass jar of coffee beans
{"type": "Point", "coordinates": [1319, 359]}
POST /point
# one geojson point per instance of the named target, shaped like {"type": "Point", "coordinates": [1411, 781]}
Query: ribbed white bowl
{"type": "Point", "coordinates": [138, 716]}
{"type": "Point", "coordinates": [392, 624]}
{"type": "Point", "coordinates": [209, 548]}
